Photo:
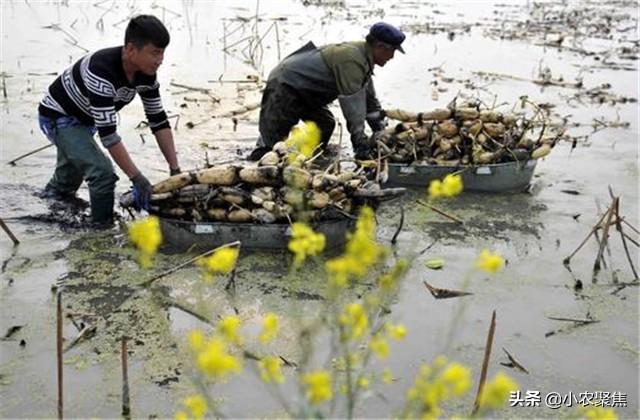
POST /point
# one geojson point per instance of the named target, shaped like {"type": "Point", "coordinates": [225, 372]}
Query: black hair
{"type": "Point", "coordinates": [146, 29]}
{"type": "Point", "coordinates": [373, 41]}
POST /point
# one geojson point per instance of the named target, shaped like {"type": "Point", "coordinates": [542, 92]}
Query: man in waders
{"type": "Point", "coordinates": [85, 99]}
{"type": "Point", "coordinates": [304, 83]}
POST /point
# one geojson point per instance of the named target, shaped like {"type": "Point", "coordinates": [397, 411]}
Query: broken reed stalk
{"type": "Point", "coordinates": [378, 165]}
{"type": "Point", "coordinates": [630, 239]}
{"type": "Point", "coordinates": [231, 284]}
{"type": "Point", "coordinates": [611, 217]}
{"type": "Point", "coordinates": [631, 226]}
{"type": "Point", "coordinates": [441, 212]}
{"type": "Point", "coordinates": [624, 241]}
{"type": "Point", "coordinates": [13, 162]}
{"type": "Point", "coordinates": [278, 40]}
{"type": "Point", "coordinates": [59, 350]}
{"type": "Point", "coordinates": [513, 362]}
{"type": "Point", "coordinates": [485, 362]}
{"type": "Point", "coordinates": [85, 333]}
{"type": "Point", "coordinates": [224, 36]}
{"type": "Point", "coordinates": [581, 321]}
{"type": "Point", "coordinates": [602, 260]}
{"type": "Point", "coordinates": [395, 235]}
{"type": "Point", "coordinates": [174, 304]}
{"type": "Point", "coordinates": [178, 267]}
{"type": "Point", "coordinates": [8, 231]}
{"type": "Point", "coordinates": [584, 241]}
{"type": "Point", "coordinates": [126, 405]}
{"type": "Point", "coordinates": [237, 43]}
{"type": "Point", "coordinates": [605, 236]}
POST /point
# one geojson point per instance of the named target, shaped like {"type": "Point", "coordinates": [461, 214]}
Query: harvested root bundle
{"type": "Point", "coordinates": [261, 175]}
{"type": "Point", "coordinates": [240, 215]}
{"type": "Point", "coordinates": [274, 191]}
{"type": "Point", "coordinates": [217, 214]}
{"type": "Point", "coordinates": [221, 175]}
{"type": "Point", "coordinates": [269, 159]}
{"type": "Point", "coordinates": [173, 183]}
{"type": "Point", "coordinates": [541, 151]}
{"type": "Point", "coordinates": [464, 135]}
{"type": "Point", "coordinates": [405, 116]}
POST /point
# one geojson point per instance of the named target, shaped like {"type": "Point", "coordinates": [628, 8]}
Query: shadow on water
{"type": "Point", "coordinates": [495, 216]}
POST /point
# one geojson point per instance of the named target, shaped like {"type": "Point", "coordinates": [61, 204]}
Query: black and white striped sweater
{"type": "Point", "coordinates": [95, 88]}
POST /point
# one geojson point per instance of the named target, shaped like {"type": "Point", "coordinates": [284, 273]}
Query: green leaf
{"type": "Point", "coordinates": [434, 263]}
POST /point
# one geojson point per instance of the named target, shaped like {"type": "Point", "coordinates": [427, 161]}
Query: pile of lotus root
{"type": "Point", "coordinates": [464, 135]}
{"type": "Point", "coordinates": [275, 190]}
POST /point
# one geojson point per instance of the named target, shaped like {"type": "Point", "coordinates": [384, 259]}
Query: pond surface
{"type": "Point", "coordinates": [451, 49]}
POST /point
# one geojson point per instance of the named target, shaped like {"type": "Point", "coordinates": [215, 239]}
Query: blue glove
{"type": "Point", "coordinates": [142, 190]}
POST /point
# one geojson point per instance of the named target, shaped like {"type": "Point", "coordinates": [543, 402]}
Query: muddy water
{"type": "Point", "coordinates": [533, 231]}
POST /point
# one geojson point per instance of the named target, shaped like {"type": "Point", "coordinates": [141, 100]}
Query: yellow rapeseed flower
{"type": "Point", "coordinates": [412, 393]}
{"type": "Point", "coordinates": [430, 412]}
{"type": "Point", "coordinates": [439, 361]}
{"type": "Point", "coordinates": [147, 237]}
{"type": "Point", "coordinates": [458, 377]}
{"type": "Point", "coordinates": [354, 359]}
{"type": "Point", "coordinates": [270, 369]}
{"type": "Point", "coordinates": [379, 346]}
{"type": "Point", "coordinates": [305, 242]}
{"type": "Point", "coordinates": [215, 361]}
{"type": "Point", "coordinates": [197, 405]}
{"type": "Point", "coordinates": [228, 328]}
{"type": "Point", "coordinates": [450, 186]}
{"type": "Point", "coordinates": [425, 370]}
{"type": "Point", "coordinates": [363, 383]}
{"type": "Point", "coordinates": [304, 138]}
{"type": "Point", "coordinates": [435, 189]}
{"type": "Point", "coordinates": [181, 415]}
{"type": "Point", "coordinates": [354, 320]}
{"type": "Point", "coordinates": [196, 340]}
{"type": "Point", "coordinates": [387, 282]}
{"type": "Point", "coordinates": [223, 261]}
{"type": "Point", "coordinates": [435, 385]}
{"type": "Point", "coordinates": [592, 412]}
{"type": "Point", "coordinates": [340, 269]}
{"type": "Point", "coordinates": [397, 332]}
{"type": "Point", "coordinates": [362, 244]}
{"type": "Point", "coordinates": [496, 392]}
{"type": "Point", "coordinates": [361, 252]}
{"type": "Point", "coordinates": [489, 262]}
{"type": "Point", "coordinates": [318, 386]}
{"type": "Point", "coordinates": [270, 325]}
{"type": "Point", "coordinates": [340, 363]}
{"type": "Point", "coordinates": [387, 376]}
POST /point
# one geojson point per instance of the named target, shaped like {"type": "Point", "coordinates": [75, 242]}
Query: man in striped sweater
{"type": "Point", "coordinates": [85, 99]}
